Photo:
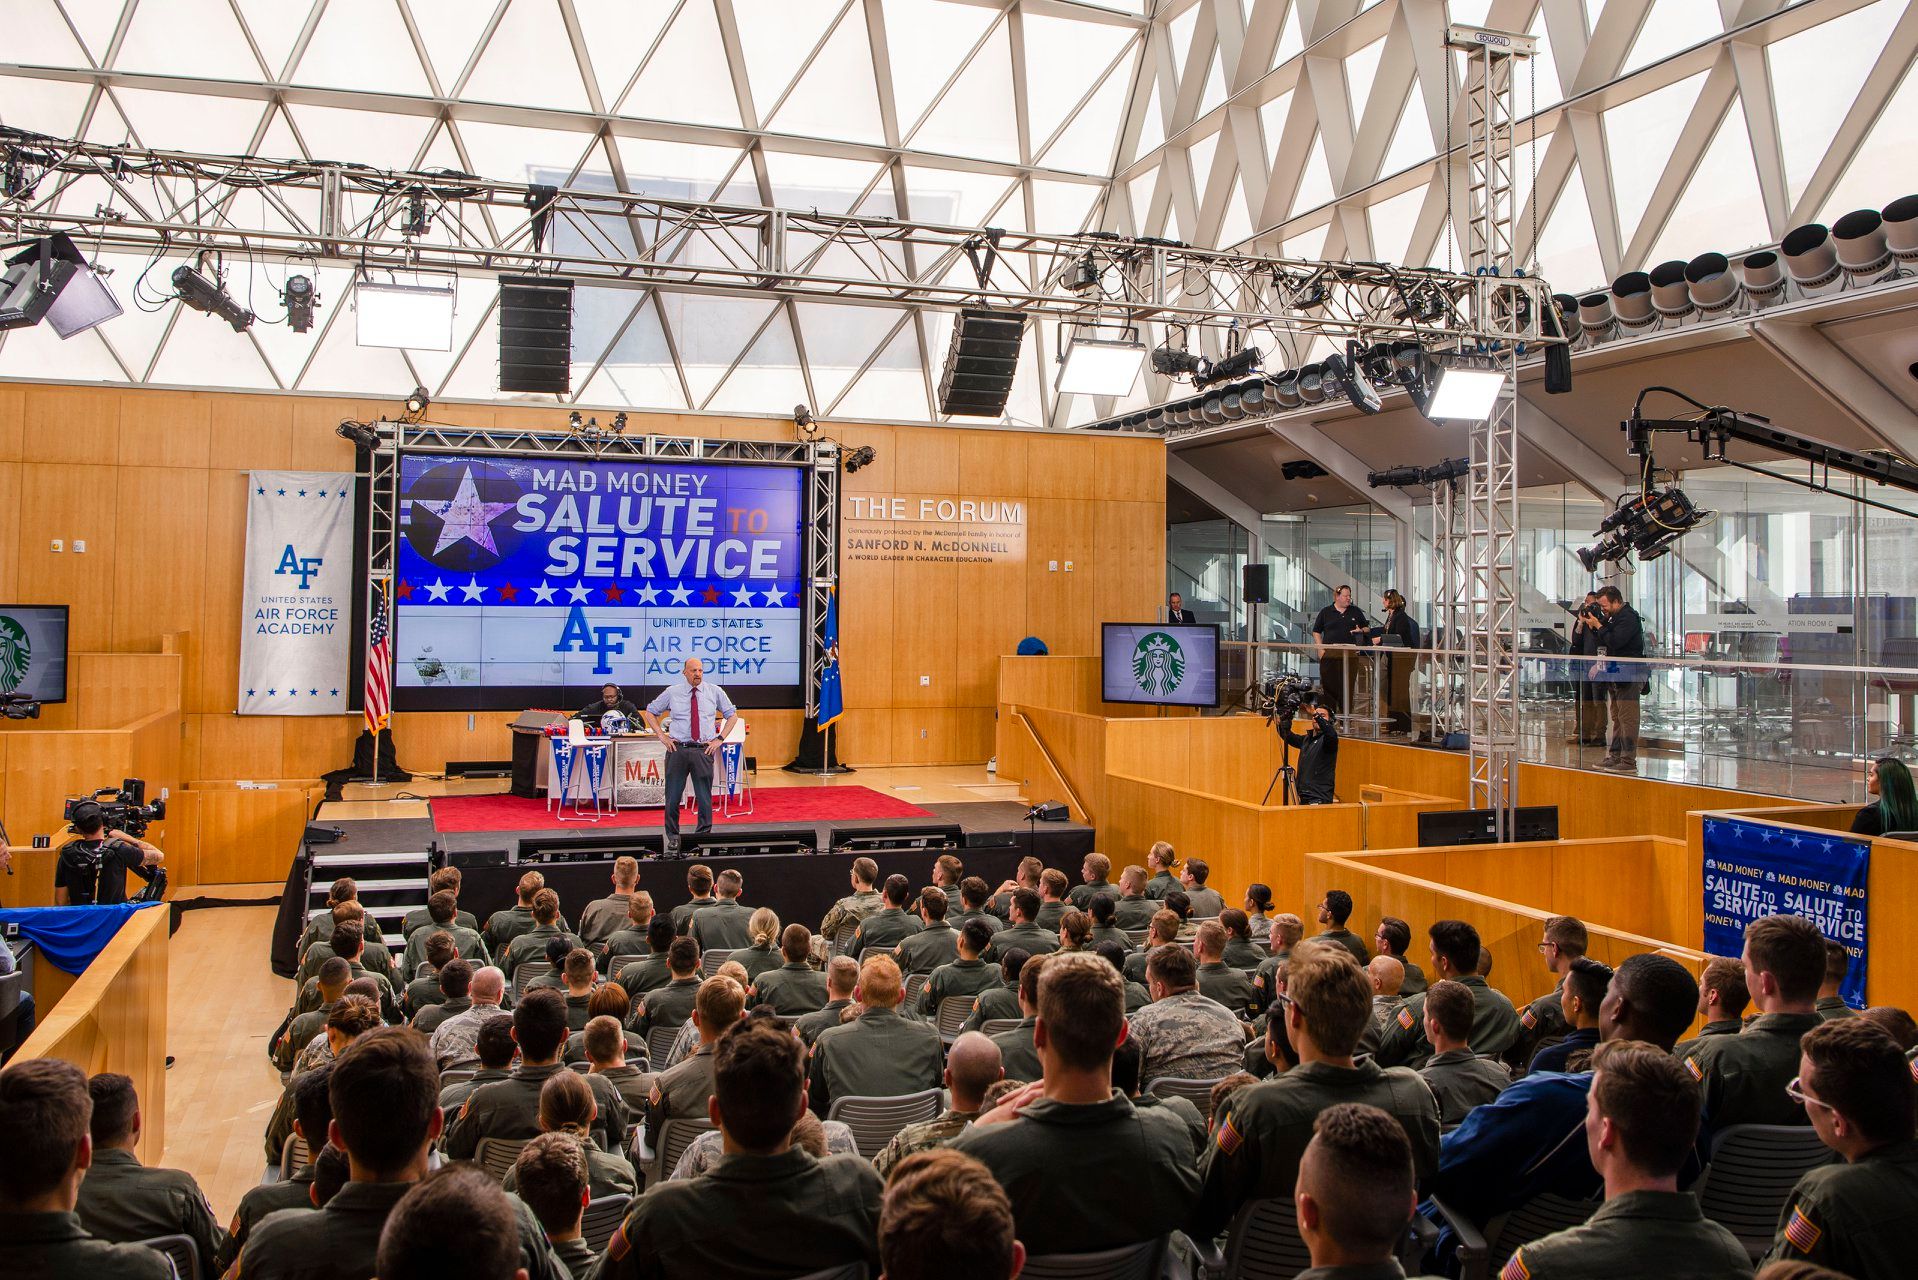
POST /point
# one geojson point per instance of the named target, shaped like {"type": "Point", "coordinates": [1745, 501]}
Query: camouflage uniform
{"type": "Point", "coordinates": [851, 909]}
{"type": "Point", "coordinates": [1189, 1037]}
{"type": "Point", "coordinates": [923, 1136]}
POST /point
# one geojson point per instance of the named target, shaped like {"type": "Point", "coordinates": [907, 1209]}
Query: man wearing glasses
{"type": "Point", "coordinates": [1543, 1022]}
{"type": "Point", "coordinates": [1854, 1217]}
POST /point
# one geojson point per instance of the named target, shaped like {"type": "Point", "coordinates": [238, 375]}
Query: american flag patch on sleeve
{"type": "Point", "coordinates": [1801, 1232]}
{"type": "Point", "coordinates": [1914, 1068]}
{"type": "Point", "coordinates": [1528, 1019]}
{"type": "Point", "coordinates": [1691, 1065]}
{"type": "Point", "coordinates": [1405, 1018]}
{"type": "Point", "coordinates": [1229, 1137]}
{"type": "Point", "coordinates": [1516, 1268]}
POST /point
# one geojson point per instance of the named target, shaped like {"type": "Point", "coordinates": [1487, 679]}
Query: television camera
{"type": "Point", "coordinates": [1280, 698]}
{"type": "Point", "coordinates": [125, 807]}
{"type": "Point", "coordinates": [18, 706]}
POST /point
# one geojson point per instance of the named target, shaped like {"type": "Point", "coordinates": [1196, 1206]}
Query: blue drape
{"type": "Point", "coordinates": [69, 937]}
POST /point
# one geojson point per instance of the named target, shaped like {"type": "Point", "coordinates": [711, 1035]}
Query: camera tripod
{"type": "Point", "coordinates": [1290, 795]}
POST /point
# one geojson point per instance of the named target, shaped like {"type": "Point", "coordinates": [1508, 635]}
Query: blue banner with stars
{"type": "Point", "coordinates": [522, 577]}
{"type": "Point", "coordinates": [297, 607]}
{"type": "Point", "coordinates": [1755, 869]}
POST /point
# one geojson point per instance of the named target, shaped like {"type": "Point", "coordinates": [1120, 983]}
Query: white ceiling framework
{"type": "Point", "coordinates": [1304, 127]}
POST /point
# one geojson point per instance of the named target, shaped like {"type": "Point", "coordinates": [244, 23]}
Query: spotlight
{"type": "Point", "coordinates": [1901, 228]}
{"type": "Point", "coordinates": [1100, 366]}
{"type": "Point", "coordinates": [1632, 300]}
{"type": "Point", "coordinates": [210, 296]}
{"type": "Point", "coordinates": [1569, 323]}
{"type": "Point", "coordinates": [1213, 411]}
{"type": "Point", "coordinates": [1671, 297]}
{"type": "Point", "coordinates": [1175, 362]}
{"type": "Point", "coordinates": [1396, 478]}
{"type": "Point", "coordinates": [418, 221]}
{"type": "Point", "coordinates": [863, 456]}
{"type": "Point", "coordinates": [1448, 470]}
{"type": "Point", "coordinates": [1466, 394]}
{"type": "Point", "coordinates": [803, 419]}
{"type": "Point", "coordinates": [299, 299]}
{"type": "Point", "coordinates": [1302, 469]}
{"type": "Point", "coordinates": [1859, 237]}
{"type": "Point", "coordinates": [1710, 284]}
{"type": "Point", "coordinates": [1256, 397]}
{"type": "Point", "coordinates": [1241, 362]}
{"type": "Point", "coordinates": [619, 423]}
{"type": "Point", "coordinates": [1764, 277]}
{"type": "Point", "coordinates": [1312, 384]}
{"type": "Point", "coordinates": [575, 421]}
{"type": "Point", "coordinates": [1413, 369]}
{"type": "Point", "coordinates": [418, 315]}
{"type": "Point", "coordinates": [359, 433]}
{"type": "Point", "coordinates": [1345, 373]}
{"type": "Point", "coordinates": [51, 280]}
{"type": "Point", "coordinates": [1595, 314]}
{"type": "Point", "coordinates": [1285, 390]}
{"type": "Point", "coordinates": [1810, 257]}
{"type": "Point", "coordinates": [1081, 276]}
{"type": "Point", "coordinates": [417, 404]}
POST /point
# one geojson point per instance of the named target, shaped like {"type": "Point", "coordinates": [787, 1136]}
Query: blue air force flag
{"type": "Point", "coordinates": [832, 702]}
{"type": "Point", "coordinates": [297, 605]}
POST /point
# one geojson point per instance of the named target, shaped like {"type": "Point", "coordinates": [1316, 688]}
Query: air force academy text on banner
{"type": "Point", "coordinates": [298, 603]}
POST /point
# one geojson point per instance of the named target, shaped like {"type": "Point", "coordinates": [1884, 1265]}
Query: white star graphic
{"type": "Point", "coordinates": [543, 593]}
{"type": "Point", "coordinates": [742, 599]}
{"type": "Point", "coordinates": [680, 595]}
{"type": "Point", "coordinates": [648, 593]}
{"type": "Point", "coordinates": [472, 590]}
{"type": "Point", "coordinates": [464, 516]}
{"type": "Point", "coordinates": [577, 593]}
{"type": "Point", "coordinates": [437, 591]}
{"type": "Point", "coordinates": [774, 597]}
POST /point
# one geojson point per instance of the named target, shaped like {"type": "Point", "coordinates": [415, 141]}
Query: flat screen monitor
{"type": "Point", "coordinates": [1161, 664]}
{"type": "Point", "coordinates": [531, 581]}
{"type": "Point", "coordinates": [1480, 826]}
{"type": "Point", "coordinates": [33, 651]}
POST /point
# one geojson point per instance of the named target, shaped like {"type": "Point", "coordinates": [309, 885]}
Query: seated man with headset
{"type": "Point", "coordinates": [611, 702]}
{"type": "Point", "coordinates": [93, 866]}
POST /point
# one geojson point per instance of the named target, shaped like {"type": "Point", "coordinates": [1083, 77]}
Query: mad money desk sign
{"type": "Point", "coordinates": [1754, 869]}
{"type": "Point", "coordinates": [934, 529]}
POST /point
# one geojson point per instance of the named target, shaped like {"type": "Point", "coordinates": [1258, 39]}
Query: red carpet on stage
{"type": "Point", "coordinates": [775, 805]}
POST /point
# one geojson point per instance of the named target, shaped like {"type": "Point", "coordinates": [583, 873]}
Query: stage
{"type": "Point", "coordinates": [794, 871]}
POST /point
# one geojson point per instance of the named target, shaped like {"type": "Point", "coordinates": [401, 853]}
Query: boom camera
{"type": "Point", "coordinates": [18, 706]}
{"type": "Point", "coordinates": [124, 807]}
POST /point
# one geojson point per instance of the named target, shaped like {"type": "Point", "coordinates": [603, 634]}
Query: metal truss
{"type": "Point", "coordinates": [820, 458]}
{"type": "Point", "coordinates": [1447, 672]}
{"type": "Point", "coordinates": [612, 238]}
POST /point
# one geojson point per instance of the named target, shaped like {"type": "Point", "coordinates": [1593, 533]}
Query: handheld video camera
{"type": "Point", "coordinates": [1282, 697]}
{"type": "Point", "coordinates": [124, 807]}
{"type": "Point", "coordinates": [18, 706]}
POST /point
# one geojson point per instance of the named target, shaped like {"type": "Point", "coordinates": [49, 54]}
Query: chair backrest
{"type": "Point", "coordinates": [293, 1155]}
{"type": "Point", "coordinates": [181, 1253]}
{"type": "Point", "coordinates": [1197, 1092]}
{"type": "Point", "coordinates": [1265, 1241]}
{"type": "Point", "coordinates": [659, 1044]}
{"type": "Point", "coordinates": [993, 1026]}
{"type": "Point", "coordinates": [851, 1271]}
{"type": "Point", "coordinates": [1753, 1170]}
{"type": "Point", "coordinates": [457, 1075]}
{"type": "Point", "coordinates": [915, 983]}
{"type": "Point", "coordinates": [951, 1016]}
{"type": "Point", "coordinates": [874, 1121]}
{"type": "Point", "coordinates": [496, 1155]}
{"type": "Point", "coordinates": [603, 1217]}
{"type": "Point", "coordinates": [527, 971]}
{"type": "Point", "coordinates": [711, 959]}
{"type": "Point", "coordinates": [1536, 1218]}
{"type": "Point", "coordinates": [1137, 936]}
{"type": "Point", "coordinates": [1133, 1262]}
{"type": "Point", "coordinates": [674, 1137]}
{"type": "Point", "coordinates": [842, 939]}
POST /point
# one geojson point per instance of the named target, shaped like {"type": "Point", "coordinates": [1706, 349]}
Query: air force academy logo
{"type": "Point", "coordinates": [305, 568]}
{"type": "Point", "coordinates": [1158, 664]}
{"type": "Point", "coordinates": [579, 637]}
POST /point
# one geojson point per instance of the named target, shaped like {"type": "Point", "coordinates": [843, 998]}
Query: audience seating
{"type": "Point", "coordinates": [1197, 1092]}
{"type": "Point", "coordinates": [603, 1217]}
{"type": "Point", "coordinates": [843, 938]}
{"type": "Point", "coordinates": [294, 1156]}
{"type": "Point", "coordinates": [874, 1121]}
{"type": "Point", "coordinates": [1483, 1255]}
{"type": "Point", "coordinates": [1263, 1241]}
{"type": "Point", "coordinates": [1137, 936]}
{"type": "Point", "coordinates": [915, 983]}
{"type": "Point", "coordinates": [993, 1026]}
{"type": "Point", "coordinates": [457, 1075]}
{"type": "Point", "coordinates": [181, 1253]}
{"type": "Point", "coordinates": [674, 1137]}
{"type": "Point", "coordinates": [527, 971]}
{"type": "Point", "coordinates": [1752, 1172]}
{"type": "Point", "coordinates": [496, 1155]}
{"type": "Point", "coordinates": [951, 1016]}
{"type": "Point", "coordinates": [710, 960]}
{"type": "Point", "coordinates": [659, 1043]}
{"type": "Point", "coordinates": [1144, 1261]}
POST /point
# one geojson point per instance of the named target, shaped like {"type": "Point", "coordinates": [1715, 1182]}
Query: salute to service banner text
{"type": "Point", "coordinates": [295, 628]}
{"type": "Point", "coordinates": [1754, 869]}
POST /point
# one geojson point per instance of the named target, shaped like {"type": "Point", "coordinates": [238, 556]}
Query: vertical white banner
{"type": "Point", "coordinates": [297, 604]}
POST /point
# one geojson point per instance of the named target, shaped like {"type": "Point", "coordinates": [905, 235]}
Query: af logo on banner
{"type": "Point", "coordinates": [297, 608]}
{"type": "Point", "coordinates": [1755, 869]}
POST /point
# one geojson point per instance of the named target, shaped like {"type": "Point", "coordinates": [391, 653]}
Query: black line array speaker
{"type": "Point", "coordinates": [1257, 584]}
{"type": "Point", "coordinates": [980, 363]}
{"type": "Point", "coordinates": [535, 334]}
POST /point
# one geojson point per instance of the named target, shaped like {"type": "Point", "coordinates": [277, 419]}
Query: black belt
{"type": "Point", "coordinates": [682, 742]}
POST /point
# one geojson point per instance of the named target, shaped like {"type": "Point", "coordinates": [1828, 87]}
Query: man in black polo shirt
{"type": "Point", "coordinates": [93, 866]}
{"type": "Point", "coordinates": [1340, 622]}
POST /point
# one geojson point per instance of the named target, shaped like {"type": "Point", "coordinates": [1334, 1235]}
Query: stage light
{"type": "Point", "coordinates": [210, 296]}
{"type": "Point", "coordinates": [576, 421]}
{"type": "Point", "coordinates": [1256, 397]}
{"type": "Point", "coordinates": [619, 423]}
{"type": "Point", "coordinates": [1175, 362]}
{"type": "Point", "coordinates": [1570, 325]}
{"type": "Point", "coordinates": [1811, 258]}
{"type": "Point", "coordinates": [1671, 295]}
{"type": "Point", "coordinates": [1413, 369]}
{"type": "Point", "coordinates": [1465, 394]}
{"type": "Point", "coordinates": [1212, 410]}
{"type": "Point", "coordinates": [417, 315]}
{"type": "Point", "coordinates": [417, 404]}
{"type": "Point", "coordinates": [299, 299]}
{"type": "Point", "coordinates": [1859, 237]}
{"type": "Point", "coordinates": [1901, 228]}
{"type": "Point", "coordinates": [863, 456]}
{"type": "Point", "coordinates": [1358, 388]}
{"type": "Point", "coordinates": [359, 433]}
{"type": "Point", "coordinates": [1450, 469]}
{"type": "Point", "coordinates": [1312, 384]}
{"type": "Point", "coordinates": [807, 424]}
{"type": "Point", "coordinates": [1285, 390]}
{"type": "Point", "coordinates": [51, 280]}
{"type": "Point", "coordinates": [1241, 362]}
{"type": "Point", "coordinates": [1100, 366]}
{"type": "Point", "coordinates": [1396, 478]}
{"type": "Point", "coordinates": [1632, 300]}
{"type": "Point", "coordinates": [1710, 283]}
{"type": "Point", "coordinates": [1595, 314]}
{"type": "Point", "coordinates": [1081, 276]}
{"type": "Point", "coordinates": [418, 221]}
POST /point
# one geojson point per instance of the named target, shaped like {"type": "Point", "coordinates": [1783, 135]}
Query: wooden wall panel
{"type": "Point", "coordinates": [245, 836]}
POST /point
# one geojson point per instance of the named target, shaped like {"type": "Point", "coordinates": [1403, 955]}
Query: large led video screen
{"type": "Point", "coordinates": [526, 582]}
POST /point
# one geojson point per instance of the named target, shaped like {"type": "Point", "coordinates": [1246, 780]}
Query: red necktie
{"type": "Point", "coordinates": [695, 714]}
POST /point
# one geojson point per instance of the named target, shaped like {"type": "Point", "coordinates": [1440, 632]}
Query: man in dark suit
{"type": "Point", "coordinates": [1177, 614]}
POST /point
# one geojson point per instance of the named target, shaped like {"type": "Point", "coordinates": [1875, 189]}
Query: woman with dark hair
{"type": "Point", "coordinates": [1397, 684]}
{"type": "Point", "coordinates": [1258, 902]}
{"type": "Point", "coordinates": [1897, 805]}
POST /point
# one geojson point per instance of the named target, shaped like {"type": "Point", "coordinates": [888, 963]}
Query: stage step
{"type": "Point", "coordinates": [327, 861]}
{"type": "Point", "coordinates": [387, 894]}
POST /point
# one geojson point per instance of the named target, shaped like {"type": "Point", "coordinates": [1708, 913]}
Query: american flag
{"type": "Point", "coordinates": [379, 661]}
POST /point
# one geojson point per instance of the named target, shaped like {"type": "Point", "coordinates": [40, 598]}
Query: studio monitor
{"type": "Point", "coordinates": [535, 334]}
{"type": "Point", "coordinates": [1257, 584]}
{"type": "Point", "coordinates": [981, 363]}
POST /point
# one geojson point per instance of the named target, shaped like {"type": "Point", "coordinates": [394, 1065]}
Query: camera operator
{"type": "Point", "coordinates": [1622, 636]}
{"type": "Point", "coordinates": [1318, 754]}
{"type": "Point", "coordinates": [92, 868]}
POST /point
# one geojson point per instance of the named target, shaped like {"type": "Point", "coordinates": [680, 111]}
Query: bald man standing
{"type": "Point", "coordinates": [690, 717]}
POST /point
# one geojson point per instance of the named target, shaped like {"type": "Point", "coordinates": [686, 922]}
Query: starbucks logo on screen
{"type": "Point", "coordinates": [16, 654]}
{"type": "Point", "coordinates": [1158, 664]}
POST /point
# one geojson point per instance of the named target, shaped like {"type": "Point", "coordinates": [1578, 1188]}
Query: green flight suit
{"type": "Point", "coordinates": [1135, 911]}
{"type": "Point", "coordinates": [721, 926]}
{"type": "Point", "coordinates": [578, 1257]}
{"type": "Point", "coordinates": [504, 926]}
{"type": "Point", "coordinates": [1854, 1218]}
{"type": "Point", "coordinates": [993, 1004]}
{"type": "Point", "coordinates": [1494, 1025]}
{"type": "Point", "coordinates": [341, 1241]}
{"type": "Point", "coordinates": [509, 1108]}
{"type": "Point", "coordinates": [757, 959]}
{"type": "Point", "coordinates": [1461, 1080]}
{"type": "Point", "coordinates": [1230, 987]}
{"type": "Point", "coordinates": [1720, 1027]}
{"type": "Point", "coordinates": [429, 1018]}
{"type": "Point", "coordinates": [878, 1055]}
{"type": "Point", "coordinates": [1050, 912]}
{"type": "Point", "coordinates": [625, 944]}
{"type": "Point", "coordinates": [299, 1033]}
{"type": "Point", "coordinates": [1540, 1023]}
{"type": "Point", "coordinates": [1089, 1177]}
{"type": "Point", "coordinates": [1083, 894]}
{"type": "Point", "coordinates": [993, 922]}
{"type": "Point", "coordinates": [791, 990]}
{"type": "Point", "coordinates": [603, 917]}
{"type": "Point", "coordinates": [827, 1016]}
{"type": "Point", "coordinates": [668, 1006]}
{"type": "Point", "coordinates": [1017, 1053]}
{"type": "Point", "coordinates": [454, 1096]}
{"type": "Point", "coordinates": [124, 1202]}
{"type": "Point", "coordinates": [1830, 1007]}
{"type": "Point", "coordinates": [648, 973]}
{"type": "Point", "coordinates": [680, 1092]}
{"type": "Point", "coordinates": [606, 1175]}
{"type": "Point", "coordinates": [1341, 936]}
{"type": "Point", "coordinates": [1263, 1129]}
{"type": "Point", "coordinates": [1158, 886]}
{"type": "Point", "coordinates": [269, 1197]}
{"type": "Point", "coordinates": [683, 913]}
{"type": "Point", "coordinates": [530, 945]}
{"type": "Point", "coordinates": [1027, 937]}
{"type": "Point", "coordinates": [1415, 983]}
{"type": "Point", "coordinates": [422, 993]}
{"type": "Point", "coordinates": [805, 1215]}
{"type": "Point", "coordinates": [56, 1246]}
{"type": "Point", "coordinates": [923, 952]}
{"type": "Point", "coordinates": [320, 929]}
{"type": "Point", "coordinates": [1744, 1076]}
{"type": "Point", "coordinates": [467, 942]}
{"type": "Point", "coordinates": [419, 917]}
{"type": "Point", "coordinates": [1639, 1233]}
{"type": "Point", "coordinates": [1110, 933]}
{"type": "Point", "coordinates": [1240, 953]}
{"type": "Point", "coordinates": [1206, 903]}
{"type": "Point", "coordinates": [310, 998]}
{"type": "Point", "coordinates": [962, 979]}
{"type": "Point", "coordinates": [883, 930]}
